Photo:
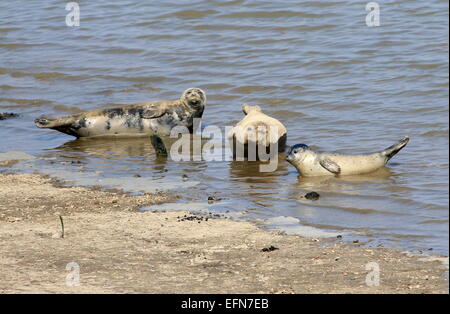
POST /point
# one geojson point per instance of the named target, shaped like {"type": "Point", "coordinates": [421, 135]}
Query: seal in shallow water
{"type": "Point", "coordinates": [257, 129]}
{"type": "Point", "coordinates": [132, 120]}
{"type": "Point", "coordinates": [311, 163]}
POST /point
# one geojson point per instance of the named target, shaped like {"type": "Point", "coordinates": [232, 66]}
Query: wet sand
{"type": "Point", "coordinates": [122, 250]}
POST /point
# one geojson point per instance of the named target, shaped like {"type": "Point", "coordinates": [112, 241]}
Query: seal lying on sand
{"type": "Point", "coordinates": [310, 163]}
{"type": "Point", "coordinates": [257, 129]}
{"type": "Point", "coordinates": [132, 120]}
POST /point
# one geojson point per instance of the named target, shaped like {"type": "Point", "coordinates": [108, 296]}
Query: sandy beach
{"type": "Point", "coordinates": [121, 250]}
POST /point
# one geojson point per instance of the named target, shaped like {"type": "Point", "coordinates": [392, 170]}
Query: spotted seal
{"type": "Point", "coordinates": [133, 120]}
{"type": "Point", "coordinates": [311, 163]}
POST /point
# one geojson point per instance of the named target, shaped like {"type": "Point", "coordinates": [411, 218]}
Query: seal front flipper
{"type": "Point", "coordinates": [158, 145]}
{"type": "Point", "coordinates": [330, 165]}
{"type": "Point", "coordinates": [153, 111]}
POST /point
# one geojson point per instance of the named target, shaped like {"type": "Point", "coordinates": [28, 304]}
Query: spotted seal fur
{"type": "Point", "coordinates": [139, 119]}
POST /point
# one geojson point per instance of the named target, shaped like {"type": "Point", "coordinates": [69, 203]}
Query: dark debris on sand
{"type": "Point", "coordinates": [199, 218]}
{"type": "Point", "coordinates": [191, 218]}
{"type": "Point", "coordinates": [269, 249]}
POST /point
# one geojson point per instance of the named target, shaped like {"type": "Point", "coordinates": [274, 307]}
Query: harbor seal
{"type": "Point", "coordinates": [254, 130]}
{"type": "Point", "coordinates": [311, 163]}
{"type": "Point", "coordinates": [133, 120]}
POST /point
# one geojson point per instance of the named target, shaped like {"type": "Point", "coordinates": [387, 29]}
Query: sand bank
{"type": "Point", "coordinates": [121, 250]}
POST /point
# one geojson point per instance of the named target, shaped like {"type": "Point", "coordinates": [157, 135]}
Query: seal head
{"type": "Point", "coordinates": [194, 98]}
{"type": "Point", "coordinates": [297, 152]}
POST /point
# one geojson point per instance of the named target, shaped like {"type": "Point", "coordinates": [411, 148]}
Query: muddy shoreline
{"type": "Point", "coordinates": [121, 250]}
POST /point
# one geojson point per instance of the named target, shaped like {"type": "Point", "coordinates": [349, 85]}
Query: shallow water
{"type": "Point", "coordinates": [334, 82]}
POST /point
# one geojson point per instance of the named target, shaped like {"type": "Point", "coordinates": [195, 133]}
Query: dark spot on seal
{"type": "Point", "coordinates": [182, 113]}
{"type": "Point", "coordinates": [108, 125]}
{"type": "Point", "coordinates": [82, 123]}
{"type": "Point", "coordinates": [133, 119]}
{"type": "Point", "coordinates": [313, 196]}
{"type": "Point", "coordinates": [128, 122]}
{"type": "Point", "coordinates": [136, 111]}
{"type": "Point", "coordinates": [169, 119]}
{"type": "Point", "coordinates": [113, 112]}
{"type": "Point", "coordinates": [7, 115]}
{"type": "Point", "coordinates": [269, 249]}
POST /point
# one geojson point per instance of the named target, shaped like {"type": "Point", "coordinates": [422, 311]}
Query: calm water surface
{"type": "Point", "coordinates": [335, 83]}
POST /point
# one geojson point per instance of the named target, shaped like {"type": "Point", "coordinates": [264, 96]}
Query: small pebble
{"type": "Point", "coordinates": [212, 199]}
{"type": "Point", "coordinates": [313, 196]}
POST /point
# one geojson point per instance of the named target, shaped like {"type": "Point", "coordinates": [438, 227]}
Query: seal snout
{"type": "Point", "coordinates": [289, 158]}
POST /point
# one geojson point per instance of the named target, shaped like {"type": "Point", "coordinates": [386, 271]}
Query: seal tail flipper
{"type": "Point", "coordinates": [394, 149]}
